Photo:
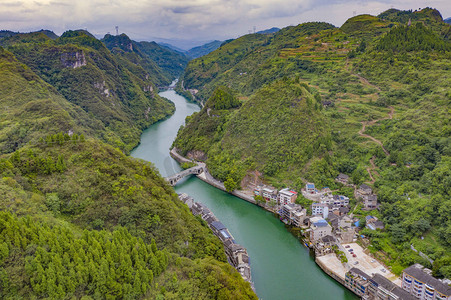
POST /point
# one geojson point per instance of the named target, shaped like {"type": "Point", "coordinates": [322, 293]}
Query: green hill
{"type": "Point", "coordinates": [32, 109]}
{"type": "Point", "coordinates": [203, 50]}
{"type": "Point", "coordinates": [268, 133]}
{"type": "Point", "coordinates": [90, 221]}
{"type": "Point", "coordinates": [79, 218]}
{"type": "Point", "coordinates": [116, 91]}
{"type": "Point", "coordinates": [385, 91]}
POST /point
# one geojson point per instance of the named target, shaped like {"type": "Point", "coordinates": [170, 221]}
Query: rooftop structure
{"type": "Point", "coordinates": [422, 285]}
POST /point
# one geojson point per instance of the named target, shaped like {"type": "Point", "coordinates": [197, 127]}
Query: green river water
{"type": "Point", "coordinates": [282, 267]}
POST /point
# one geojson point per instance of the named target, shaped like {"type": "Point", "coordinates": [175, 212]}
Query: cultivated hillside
{"type": "Point", "coordinates": [384, 85]}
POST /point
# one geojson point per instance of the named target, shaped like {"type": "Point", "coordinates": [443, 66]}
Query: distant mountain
{"type": "Point", "coordinates": [269, 31]}
{"type": "Point", "coordinates": [448, 20]}
{"type": "Point", "coordinates": [48, 33]}
{"type": "Point", "coordinates": [113, 89]}
{"type": "Point", "coordinates": [8, 33]}
{"type": "Point", "coordinates": [172, 47]}
{"type": "Point", "coordinates": [204, 49]}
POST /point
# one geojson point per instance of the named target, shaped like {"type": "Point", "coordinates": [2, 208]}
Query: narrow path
{"type": "Point", "coordinates": [364, 124]}
{"type": "Point", "coordinates": [372, 170]}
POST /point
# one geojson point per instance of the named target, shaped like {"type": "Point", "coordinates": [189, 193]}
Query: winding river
{"type": "Point", "coordinates": [281, 267]}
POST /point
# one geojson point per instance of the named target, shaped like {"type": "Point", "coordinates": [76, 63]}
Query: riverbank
{"type": "Point", "coordinates": [236, 254]}
{"type": "Point", "coordinates": [208, 178]}
{"type": "Point", "coordinates": [328, 263]}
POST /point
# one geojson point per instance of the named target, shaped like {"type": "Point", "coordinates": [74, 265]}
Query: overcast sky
{"type": "Point", "coordinates": [198, 20]}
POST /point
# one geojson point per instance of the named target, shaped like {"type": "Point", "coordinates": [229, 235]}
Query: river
{"type": "Point", "coordinates": [281, 267]}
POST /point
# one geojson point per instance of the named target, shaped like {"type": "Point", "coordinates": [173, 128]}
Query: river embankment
{"type": "Point", "coordinates": [282, 268]}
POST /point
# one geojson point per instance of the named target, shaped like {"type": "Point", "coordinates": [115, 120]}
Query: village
{"type": "Point", "coordinates": [332, 232]}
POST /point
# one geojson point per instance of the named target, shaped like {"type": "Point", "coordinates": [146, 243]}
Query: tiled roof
{"type": "Point", "coordinates": [420, 275]}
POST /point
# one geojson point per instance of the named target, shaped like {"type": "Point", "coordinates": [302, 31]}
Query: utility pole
{"type": "Point", "coordinates": [117, 30]}
{"type": "Point", "coordinates": [254, 29]}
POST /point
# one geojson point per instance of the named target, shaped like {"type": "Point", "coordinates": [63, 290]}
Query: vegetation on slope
{"type": "Point", "coordinates": [162, 64]}
{"type": "Point", "coordinates": [385, 88]}
{"type": "Point", "coordinates": [116, 92]}
{"type": "Point", "coordinates": [79, 218]}
{"type": "Point", "coordinates": [237, 141]}
{"type": "Point", "coordinates": [32, 109]}
{"type": "Point", "coordinates": [65, 185]}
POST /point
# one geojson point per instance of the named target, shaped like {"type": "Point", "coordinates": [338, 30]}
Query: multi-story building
{"type": "Point", "coordinates": [380, 288]}
{"type": "Point", "coordinates": [369, 202]}
{"type": "Point", "coordinates": [319, 228]}
{"type": "Point", "coordinates": [375, 287]}
{"type": "Point", "coordinates": [310, 188]}
{"type": "Point", "coordinates": [269, 194]}
{"type": "Point", "coordinates": [286, 196]}
{"type": "Point", "coordinates": [418, 281]}
{"type": "Point", "coordinates": [320, 209]}
{"type": "Point", "coordinates": [293, 213]}
{"type": "Point", "coordinates": [357, 281]}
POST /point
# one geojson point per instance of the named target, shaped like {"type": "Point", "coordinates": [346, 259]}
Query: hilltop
{"type": "Point", "coordinates": [120, 93]}
{"type": "Point", "coordinates": [385, 99]}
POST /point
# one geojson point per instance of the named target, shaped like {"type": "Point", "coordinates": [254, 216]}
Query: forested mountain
{"type": "Point", "coordinates": [119, 92]}
{"type": "Point", "coordinates": [203, 50]}
{"type": "Point", "coordinates": [384, 87]}
{"type": "Point", "coordinates": [163, 63]}
{"type": "Point", "coordinates": [79, 218]}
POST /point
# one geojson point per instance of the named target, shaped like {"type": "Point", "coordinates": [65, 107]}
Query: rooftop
{"type": "Point", "coordinates": [360, 273]}
{"type": "Point", "coordinates": [380, 280]}
{"type": "Point", "coordinates": [342, 176]}
{"type": "Point", "coordinates": [365, 187]}
{"type": "Point", "coordinates": [417, 272]}
{"type": "Point", "coordinates": [218, 225]}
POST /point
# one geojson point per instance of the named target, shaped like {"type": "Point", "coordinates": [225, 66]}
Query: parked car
{"type": "Point", "coordinates": [350, 250]}
{"type": "Point", "coordinates": [356, 263]}
{"type": "Point", "coordinates": [354, 255]}
{"type": "Point", "coordinates": [347, 246]}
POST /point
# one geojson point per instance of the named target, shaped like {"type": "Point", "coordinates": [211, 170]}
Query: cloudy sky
{"type": "Point", "coordinates": [197, 20]}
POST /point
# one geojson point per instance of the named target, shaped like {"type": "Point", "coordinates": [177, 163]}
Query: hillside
{"type": "Point", "coordinates": [116, 91]}
{"type": "Point", "coordinates": [385, 91]}
{"type": "Point", "coordinates": [117, 223]}
{"type": "Point", "coordinates": [30, 105]}
{"type": "Point", "coordinates": [203, 50]}
{"type": "Point", "coordinates": [79, 218]}
{"type": "Point", "coordinates": [238, 140]}
{"type": "Point", "coordinates": [162, 64]}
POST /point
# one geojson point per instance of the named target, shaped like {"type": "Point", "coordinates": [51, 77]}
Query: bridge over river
{"type": "Point", "coordinates": [178, 176]}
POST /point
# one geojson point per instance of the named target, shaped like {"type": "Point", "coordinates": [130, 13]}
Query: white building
{"type": "Point", "coordinates": [320, 209]}
{"type": "Point", "coordinates": [418, 282]}
{"type": "Point", "coordinates": [286, 196]}
{"type": "Point", "coordinates": [319, 228]}
{"type": "Point", "coordinates": [294, 213]}
{"type": "Point", "coordinates": [269, 194]}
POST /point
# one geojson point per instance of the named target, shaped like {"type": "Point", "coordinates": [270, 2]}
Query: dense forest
{"type": "Point", "coordinates": [119, 93]}
{"type": "Point", "coordinates": [79, 218]}
{"type": "Point", "coordinates": [370, 99]}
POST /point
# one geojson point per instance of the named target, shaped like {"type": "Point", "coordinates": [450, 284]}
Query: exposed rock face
{"type": "Point", "coordinates": [197, 155]}
{"type": "Point", "coordinates": [101, 86]}
{"type": "Point", "coordinates": [148, 88]}
{"type": "Point", "coordinates": [147, 113]}
{"type": "Point", "coordinates": [73, 59]}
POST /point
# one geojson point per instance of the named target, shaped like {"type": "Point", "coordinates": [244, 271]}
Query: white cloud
{"type": "Point", "coordinates": [188, 19]}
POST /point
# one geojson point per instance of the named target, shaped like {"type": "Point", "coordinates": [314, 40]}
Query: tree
{"type": "Point", "coordinates": [230, 184]}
